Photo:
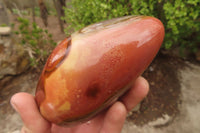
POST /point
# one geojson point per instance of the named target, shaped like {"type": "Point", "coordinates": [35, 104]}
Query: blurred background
{"type": "Point", "coordinates": [30, 30]}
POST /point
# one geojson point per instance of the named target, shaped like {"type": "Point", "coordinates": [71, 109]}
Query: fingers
{"type": "Point", "coordinates": [116, 115]}
{"type": "Point", "coordinates": [114, 119]}
{"type": "Point", "coordinates": [136, 94]}
{"type": "Point", "coordinates": [25, 105]}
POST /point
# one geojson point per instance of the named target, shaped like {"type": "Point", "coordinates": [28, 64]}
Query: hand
{"type": "Point", "coordinates": [109, 121]}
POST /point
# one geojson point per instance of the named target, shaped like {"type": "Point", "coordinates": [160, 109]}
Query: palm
{"type": "Point", "coordinates": [92, 126]}
{"type": "Point", "coordinates": [108, 121]}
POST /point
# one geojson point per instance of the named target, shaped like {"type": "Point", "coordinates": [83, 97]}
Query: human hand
{"type": "Point", "coordinates": [109, 121]}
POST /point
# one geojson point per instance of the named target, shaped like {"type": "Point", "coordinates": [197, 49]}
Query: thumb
{"type": "Point", "coordinates": [25, 105]}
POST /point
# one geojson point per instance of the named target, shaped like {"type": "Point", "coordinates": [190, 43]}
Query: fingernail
{"type": "Point", "coordinates": [13, 105]}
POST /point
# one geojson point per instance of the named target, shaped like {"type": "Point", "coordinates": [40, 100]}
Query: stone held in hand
{"type": "Point", "coordinates": [89, 71]}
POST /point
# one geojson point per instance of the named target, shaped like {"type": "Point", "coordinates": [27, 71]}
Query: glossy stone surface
{"type": "Point", "coordinates": [88, 71]}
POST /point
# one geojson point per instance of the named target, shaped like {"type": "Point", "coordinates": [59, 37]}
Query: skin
{"type": "Point", "coordinates": [109, 121]}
